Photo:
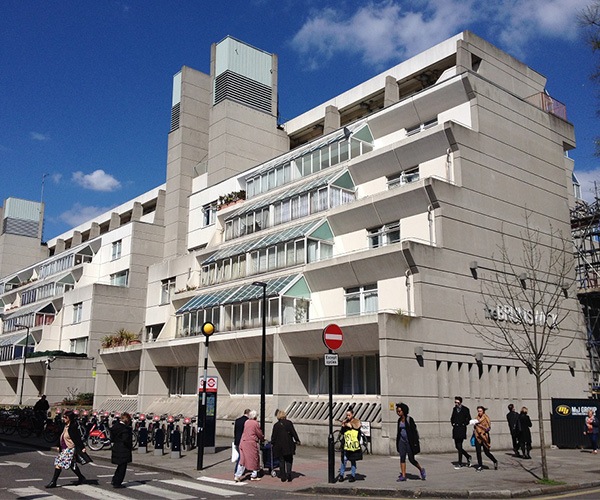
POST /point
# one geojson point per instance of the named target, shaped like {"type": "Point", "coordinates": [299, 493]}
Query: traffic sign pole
{"type": "Point", "coordinates": [333, 339]}
{"type": "Point", "coordinates": [330, 443]}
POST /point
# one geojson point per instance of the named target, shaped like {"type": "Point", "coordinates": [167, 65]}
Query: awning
{"type": "Point", "coordinates": [46, 306]}
{"type": "Point", "coordinates": [337, 135]}
{"type": "Point", "coordinates": [300, 187]}
{"type": "Point", "coordinates": [274, 287]}
{"type": "Point", "coordinates": [274, 238]}
{"type": "Point", "coordinates": [242, 293]}
{"type": "Point", "coordinates": [206, 300]}
{"type": "Point", "coordinates": [8, 339]}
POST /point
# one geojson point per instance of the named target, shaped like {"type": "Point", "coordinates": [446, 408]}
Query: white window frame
{"type": "Point", "coordinates": [116, 249]}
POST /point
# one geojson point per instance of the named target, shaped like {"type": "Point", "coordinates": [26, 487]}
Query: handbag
{"type": "Point", "coordinates": [473, 439]}
{"type": "Point", "coordinates": [82, 458]}
{"type": "Point", "coordinates": [235, 454]}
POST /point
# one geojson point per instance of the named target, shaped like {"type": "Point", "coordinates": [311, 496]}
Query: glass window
{"type": "Point", "coordinates": [79, 345]}
{"type": "Point", "coordinates": [209, 214]}
{"type": "Point", "coordinates": [353, 376]}
{"type": "Point", "coordinates": [116, 250]}
{"type": "Point", "coordinates": [361, 300]}
{"type": "Point", "coordinates": [120, 278]}
{"type": "Point", "coordinates": [77, 312]}
{"type": "Point", "coordinates": [183, 380]}
{"type": "Point", "coordinates": [344, 155]}
{"type": "Point", "coordinates": [167, 288]}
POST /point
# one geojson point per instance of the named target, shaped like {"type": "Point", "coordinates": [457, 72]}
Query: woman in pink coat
{"type": "Point", "coordinates": [250, 448]}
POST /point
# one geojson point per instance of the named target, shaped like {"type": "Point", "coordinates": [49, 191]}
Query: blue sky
{"type": "Point", "coordinates": [85, 86]}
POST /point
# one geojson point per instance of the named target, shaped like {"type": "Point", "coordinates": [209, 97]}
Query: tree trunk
{"type": "Point", "coordinates": [538, 386]}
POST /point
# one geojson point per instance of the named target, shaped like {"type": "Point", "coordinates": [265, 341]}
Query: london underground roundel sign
{"type": "Point", "coordinates": [333, 338]}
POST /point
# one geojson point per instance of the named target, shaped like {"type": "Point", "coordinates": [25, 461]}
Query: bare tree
{"type": "Point", "coordinates": [524, 298]}
{"type": "Point", "coordinates": [589, 21]}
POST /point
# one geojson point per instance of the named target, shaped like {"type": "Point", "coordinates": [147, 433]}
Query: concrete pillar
{"type": "Point", "coordinates": [463, 57]}
{"type": "Point", "coordinates": [115, 221]}
{"type": "Point", "coordinates": [137, 211]}
{"type": "Point", "coordinates": [76, 240]}
{"type": "Point", "coordinates": [332, 119]}
{"type": "Point", "coordinates": [94, 230]}
{"type": "Point", "coordinates": [391, 92]}
{"type": "Point", "coordinates": [60, 246]}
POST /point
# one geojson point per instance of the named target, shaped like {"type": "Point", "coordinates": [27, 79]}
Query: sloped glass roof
{"type": "Point", "coordinates": [274, 238]}
{"type": "Point", "coordinates": [276, 286]}
{"type": "Point", "coordinates": [12, 338]}
{"type": "Point", "coordinates": [301, 187]}
{"type": "Point", "coordinates": [46, 306]}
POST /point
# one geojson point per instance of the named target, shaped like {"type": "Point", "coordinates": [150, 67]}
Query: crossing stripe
{"type": "Point", "coordinates": [159, 492]}
{"type": "Point", "coordinates": [202, 487]}
{"type": "Point", "coordinates": [96, 492]}
{"type": "Point", "coordinates": [30, 493]}
{"type": "Point", "coordinates": [228, 482]}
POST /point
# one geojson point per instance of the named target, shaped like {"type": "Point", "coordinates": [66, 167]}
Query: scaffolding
{"type": "Point", "coordinates": [585, 231]}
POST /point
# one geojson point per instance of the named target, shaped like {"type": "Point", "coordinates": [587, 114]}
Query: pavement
{"type": "Point", "coordinates": [570, 469]}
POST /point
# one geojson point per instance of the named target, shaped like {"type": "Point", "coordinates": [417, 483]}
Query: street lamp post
{"type": "Point", "coordinates": [207, 330]}
{"type": "Point", "coordinates": [24, 362]}
{"type": "Point", "coordinates": [263, 361]}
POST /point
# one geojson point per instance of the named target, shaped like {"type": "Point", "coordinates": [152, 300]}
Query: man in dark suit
{"type": "Point", "coordinates": [460, 420]}
{"type": "Point", "coordinates": [512, 417]}
{"type": "Point", "coordinates": [238, 429]}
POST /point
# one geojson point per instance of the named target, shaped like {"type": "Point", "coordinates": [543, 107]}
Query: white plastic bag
{"type": "Point", "coordinates": [234, 454]}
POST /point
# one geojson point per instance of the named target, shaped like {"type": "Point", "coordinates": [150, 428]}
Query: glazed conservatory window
{"type": "Point", "coordinates": [354, 375]}
{"type": "Point", "coordinates": [361, 300]}
{"type": "Point", "coordinates": [384, 235]}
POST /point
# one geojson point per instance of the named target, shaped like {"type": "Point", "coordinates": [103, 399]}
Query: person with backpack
{"type": "Point", "coordinates": [351, 449]}
{"type": "Point", "coordinates": [407, 442]}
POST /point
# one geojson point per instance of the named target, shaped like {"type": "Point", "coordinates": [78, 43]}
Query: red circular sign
{"type": "Point", "coordinates": [333, 338]}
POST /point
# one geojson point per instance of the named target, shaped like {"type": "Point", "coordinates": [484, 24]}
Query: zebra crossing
{"type": "Point", "coordinates": [174, 489]}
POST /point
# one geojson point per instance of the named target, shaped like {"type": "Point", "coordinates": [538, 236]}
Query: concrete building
{"type": "Point", "coordinates": [367, 211]}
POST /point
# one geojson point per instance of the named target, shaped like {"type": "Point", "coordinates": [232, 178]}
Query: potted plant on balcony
{"type": "Point", "coordinates": [231, 199]}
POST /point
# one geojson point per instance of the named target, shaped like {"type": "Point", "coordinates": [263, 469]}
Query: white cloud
{"type": "Point", "coordinates": [56, 178]}
{"type": "Point", "coordinates": [98, 180]}
{"type": "Point", "coordinates": [587, 179]}
{"type": "Point", "coordinates": [36, 136]}
{"type": "Point", "coordinates": [78, 214]}
{"type": "Point", "coordinates": [388, 31]}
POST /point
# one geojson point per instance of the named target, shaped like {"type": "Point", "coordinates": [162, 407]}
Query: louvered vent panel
{"type": "Point", "coordinates": [20, 227]}
{"type": "Point", "coordinates": [230, 85]}
{"type": "Point", "coordinates": [175, 112]}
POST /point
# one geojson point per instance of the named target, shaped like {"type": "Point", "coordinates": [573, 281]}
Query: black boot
{"type": "Point", "coordinates": [80, 477]}
{"type": "Point", "coordinates": [52, 484]}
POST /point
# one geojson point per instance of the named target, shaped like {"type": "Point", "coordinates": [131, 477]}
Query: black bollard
{"type": "Point", "coordinates": [159, 442]}
{"type": "Point", "coordinates": [143, 440]}
{"type": "Point", "coordinates": [176, 443]}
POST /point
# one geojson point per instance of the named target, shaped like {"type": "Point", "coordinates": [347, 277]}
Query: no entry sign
{"type": "Point", "coordinates": [333, 338]}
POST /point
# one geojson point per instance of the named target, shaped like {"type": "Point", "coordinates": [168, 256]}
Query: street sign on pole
{"type": "Point", "coordinates": [333, 338]}
{"type": "Point", "coordinates": [331, 359]}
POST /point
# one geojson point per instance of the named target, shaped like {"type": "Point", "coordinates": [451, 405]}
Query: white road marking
{"type": "Point", "coordinates": [159, 492]}
{"type": "Point", "coordinates": [93, 464]}
{"type": "Point", "coordinates": [32, 492]}
{"type": "Point", "coordinates": [95, 492]}
{"type": "Point", "coordinates": [29, 479]}
{"type": "Point", "coordinates": [23, 465]}
{"type": "Point", "coordinates": [221, 481]}
{"type": "Point", "coordinates": [202, 487]}
{"type": "Point", "coordinates": [145, 473]}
